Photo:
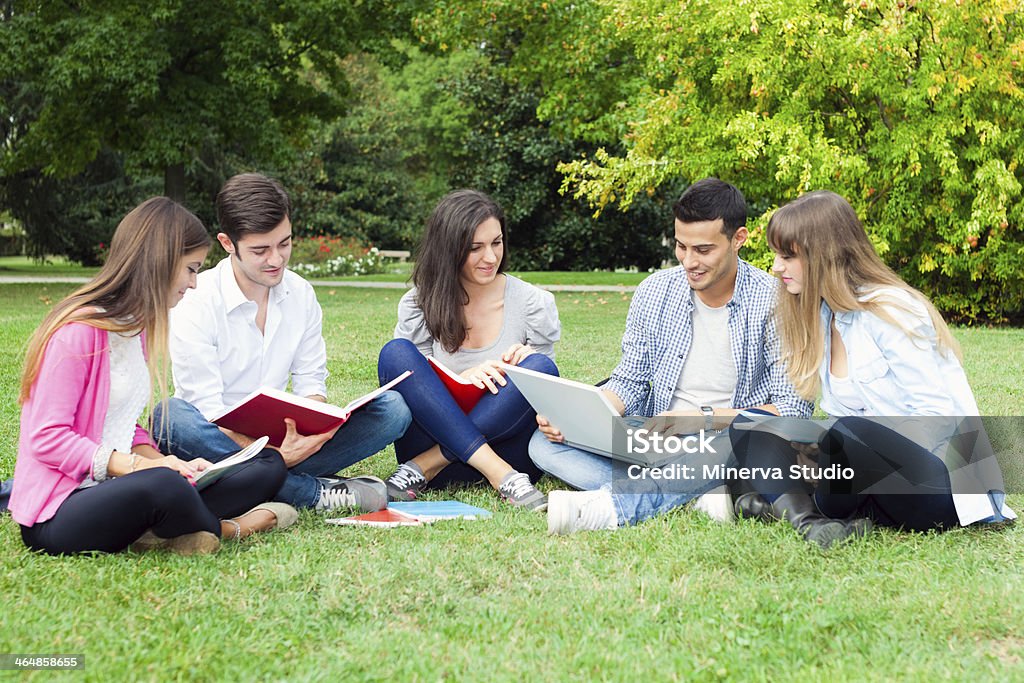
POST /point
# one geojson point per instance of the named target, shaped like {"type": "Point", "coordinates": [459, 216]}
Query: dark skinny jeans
{"type": "Point", "coordinates": [874, 452]}
{"type": "Point", "coordinates": [504, 420]}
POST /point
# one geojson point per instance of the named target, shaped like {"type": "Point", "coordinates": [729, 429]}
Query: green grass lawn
{"type": "Point", "coordinates": [54, 265]}
{"type": "Point", "coordinates": [401, 272]}
{"type": "Point", "coordinates": [676, 598]}
{"type": "Point", "coordinates": [396, 272]}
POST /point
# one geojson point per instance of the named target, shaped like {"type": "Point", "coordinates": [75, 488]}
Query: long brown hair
{"type": "Point", "coordinates": [840, 266]}
{"type": "Point", "coordinates": [131, 293]}
{"type": "Point", "coordinates": [442, 252]}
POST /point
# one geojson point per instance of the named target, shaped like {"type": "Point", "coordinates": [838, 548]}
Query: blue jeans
{"type": "Point", "coordinates": [635, 499]}
{"type": "Point", "coordinates": [369, 430]}
{"type": "Point", "coordinates": [504, 420]}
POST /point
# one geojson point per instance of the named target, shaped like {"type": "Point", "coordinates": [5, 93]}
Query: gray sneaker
{"type": "Point", "coordinates": [366, 493]}
{"type": "Point", "coordinates": [406, 482]}
{"type": "Point", "coordinates": [517, 490]}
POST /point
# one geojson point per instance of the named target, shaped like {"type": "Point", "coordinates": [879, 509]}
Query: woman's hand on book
{"type": "Point", "coordinates": [295, 447]}
{"type": "Point", "coordinates": [186, 468]}
{"type": "Point", "coordinates": [517, 353]}
{"type": "Point", "coordinates": [487, 375]}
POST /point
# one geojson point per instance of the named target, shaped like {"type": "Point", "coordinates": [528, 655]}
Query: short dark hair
{"type": "Point", "coordinates": [710, 199]}
{"type": "Point", "coordinates": [251, 203]}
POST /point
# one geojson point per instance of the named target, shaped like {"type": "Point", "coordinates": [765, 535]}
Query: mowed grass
{"type": "Point", "coordinates": [396, 271]}
{"type": "Point", "coordinates": [675, 598]}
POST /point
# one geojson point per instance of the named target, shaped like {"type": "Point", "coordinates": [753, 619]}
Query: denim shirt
{"type": "Point", "coordinates": [659, 333]}
{"type": "Point", "coordinates": [894, 373]}
{"type": "Point", "coordinates": [900, 376]}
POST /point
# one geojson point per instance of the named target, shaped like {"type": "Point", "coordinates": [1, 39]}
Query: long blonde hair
{"type": "Point", "coordinates": [840, 266]}
{"type": "Point", "coordinates": [131, 293]}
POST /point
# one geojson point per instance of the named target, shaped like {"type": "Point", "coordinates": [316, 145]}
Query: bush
{"type": "Point", "coordinates": [324, 256]}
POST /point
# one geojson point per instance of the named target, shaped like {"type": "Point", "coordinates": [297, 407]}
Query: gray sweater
{"type": "Point", "coordinates": [530, 318]}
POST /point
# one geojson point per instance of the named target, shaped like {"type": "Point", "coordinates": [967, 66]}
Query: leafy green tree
{"type": "Point", "coordinates": [561, 48]}
{"type": "Point", "coordinates": [376, 173]}
{"type": "Point", "coordinates": [165, 82]}
{"type": "Point", "coordinates": [514, 156]}
{"type": "Point", "coordinates": [184, 91]}
{"type": "Point", "coordinates": [548, 86]}
{"type": "Point", "coordinates": [909, 108]}
{"type": "Point", "coordinates": [76, 216]}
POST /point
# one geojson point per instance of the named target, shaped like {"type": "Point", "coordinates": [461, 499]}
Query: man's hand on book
{"type": "Point", "coordinates": [487, 375]}
{"type": "Point", "coordinates": [295, 447]}
{"type": "Point", "coordinates": [549, 430]}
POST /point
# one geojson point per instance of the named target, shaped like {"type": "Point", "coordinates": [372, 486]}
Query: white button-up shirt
{"type": "Point", "coordinates": [219, 355]}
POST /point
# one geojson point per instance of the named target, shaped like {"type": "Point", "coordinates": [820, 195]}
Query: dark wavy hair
{"type": "Point", "coordinates": [442, 251]}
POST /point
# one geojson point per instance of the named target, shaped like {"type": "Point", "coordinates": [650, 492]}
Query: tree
{"type": "Point", "coordinates": [540, 95]}
{"type": "Point", "coordinates": [183, 91]}
{"type": "Point", "coordinates": [167, 83]}
{"type": "Point", "coordinates": [909, 108]}
{"type": "Point", "coordinates": [376, 173]}
{"type": "Point", "coordinates": [511, 154]}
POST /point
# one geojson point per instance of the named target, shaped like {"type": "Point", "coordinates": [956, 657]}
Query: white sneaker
{"type": "Point", "coordinates": [716, 504]}
{"type": "Point", "coordinates": [572, 511]}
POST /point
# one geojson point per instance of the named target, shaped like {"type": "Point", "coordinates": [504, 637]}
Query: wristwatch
{"type": "Point", "coordinates": [709, 417]}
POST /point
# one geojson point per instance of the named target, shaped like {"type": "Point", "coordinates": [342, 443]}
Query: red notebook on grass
{"type": "Point", "coordinates": [415, 513]}
{"type": "Point", "coordinates": [380, 518]}
{"type": "Point", "coordinates": [465, 393]}
{"type": "Point", "coordinates": [264, 410]}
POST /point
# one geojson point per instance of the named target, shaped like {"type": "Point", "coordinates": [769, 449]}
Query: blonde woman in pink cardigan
{"type": "Point", "coordinates": [88, 477]}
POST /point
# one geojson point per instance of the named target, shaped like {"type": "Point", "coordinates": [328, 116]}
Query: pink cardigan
{"type": "Point", "coordinates": [62, 422]}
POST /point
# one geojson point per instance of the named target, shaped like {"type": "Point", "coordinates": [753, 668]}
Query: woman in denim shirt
{"type": "Point", "coordinates": [887, 367]}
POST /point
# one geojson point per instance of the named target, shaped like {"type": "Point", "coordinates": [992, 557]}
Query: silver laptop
{"type": "Point", "coordinates": [581, 412]}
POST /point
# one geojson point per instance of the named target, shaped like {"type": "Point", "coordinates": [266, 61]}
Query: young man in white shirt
{"type": "Point", "coordinates": [250, 322]}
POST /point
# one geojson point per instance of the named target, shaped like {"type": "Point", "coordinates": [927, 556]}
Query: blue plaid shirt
{"type": "Point", "coordinates": [659, 332]}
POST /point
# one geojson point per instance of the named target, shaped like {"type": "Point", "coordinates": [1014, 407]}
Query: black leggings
{"type": "Point", "coordinates": [110, 516]}
{"type": "Point", "coordinates": [922, 499]}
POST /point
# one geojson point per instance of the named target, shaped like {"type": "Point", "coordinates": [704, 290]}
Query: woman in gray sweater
{"type": "Point", "coordinates": [469, 315]}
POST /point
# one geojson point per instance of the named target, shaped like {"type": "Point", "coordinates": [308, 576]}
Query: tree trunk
{"type": "Point", "coordinates": [174, 182]}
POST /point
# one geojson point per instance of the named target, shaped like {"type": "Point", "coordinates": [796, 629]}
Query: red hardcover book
{"type": "Point", "coordinates": [264, 410]}
{"type": "Point", "coordinates": [384, 518]}
{"type": "Point", "coordinates": [465, 393]}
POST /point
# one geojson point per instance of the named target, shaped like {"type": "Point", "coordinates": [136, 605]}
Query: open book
{"type": "Point", "coordinates": [219, 469]}
{"type": "Point", "coordinates": [465, 393]}
{"type": "Point", "coordinates": [264, 410]}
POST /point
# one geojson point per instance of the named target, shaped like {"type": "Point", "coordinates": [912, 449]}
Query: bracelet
{"type": "Point", "coordinates": [238, 529]}
{"type": "Point", "coordinates": [134, 457]}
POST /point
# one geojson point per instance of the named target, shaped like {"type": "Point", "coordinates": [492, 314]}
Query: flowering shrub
{"type": "Point", "coordinates": [324, 256]}
{"type": "Point", "coordinates": [319, 256]}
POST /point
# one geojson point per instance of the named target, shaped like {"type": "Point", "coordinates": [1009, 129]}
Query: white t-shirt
{"type": "Point", "coordinates": [708, 377]}
{"type": "Point", "coordinates": [844, 392]}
